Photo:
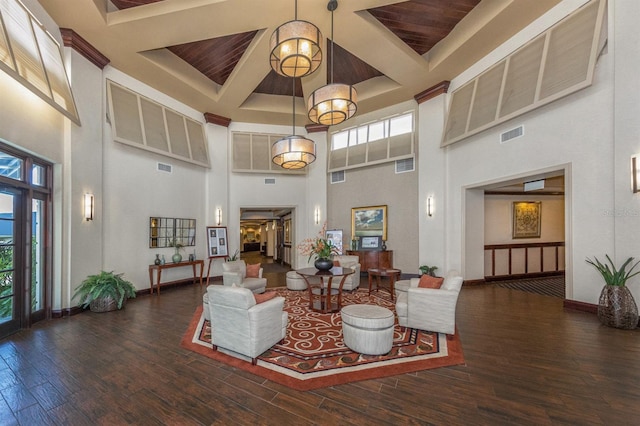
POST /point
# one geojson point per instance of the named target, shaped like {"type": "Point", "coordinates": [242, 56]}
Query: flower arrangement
{"type": "Point", "coordinates": [318, 247]}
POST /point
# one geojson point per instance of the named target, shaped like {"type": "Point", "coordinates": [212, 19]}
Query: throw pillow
{"type": "Point", "coordinates": [260, 298]}
{"type": "Point", "coordinates": [253, 271]}
{"type": "Point", "coordinates": [427, 281]}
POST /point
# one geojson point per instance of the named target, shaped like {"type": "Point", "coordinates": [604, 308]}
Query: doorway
{"type": "Point", "coordinates": [24, 206]}
{"type": "Point", "coordinates": [268, 230]}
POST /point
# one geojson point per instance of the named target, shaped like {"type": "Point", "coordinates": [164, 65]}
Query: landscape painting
{"type": "Point", "coordinates": [369, 222]}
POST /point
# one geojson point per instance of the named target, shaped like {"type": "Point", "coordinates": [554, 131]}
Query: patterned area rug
{"type": "Point", "coordinates": [313, 355]}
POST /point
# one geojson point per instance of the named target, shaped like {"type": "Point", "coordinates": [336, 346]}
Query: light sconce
{"type": "Point", "coordinates": [88, 207]}
{"type": "Point", "coordinates": [219, 217]}
{"type": "Point", "coordinates": [295, 48]}
{"type": "Point", "coordinates": [635, 178]}
{"type": "Point", "coordinates": [273, 225]}
{"type": "Point", "coordinates": [430, 206]}
{"type": "Point", "coordinates": [317, 215]}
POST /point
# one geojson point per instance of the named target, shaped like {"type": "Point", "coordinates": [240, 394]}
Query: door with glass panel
{"type": "Point", "coordinates": [10, 279]}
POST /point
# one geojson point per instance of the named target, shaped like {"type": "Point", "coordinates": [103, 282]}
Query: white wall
{"type": "Point", "coordinates": [573, 134]}
{"type": "Point", "coordinates": [134, 191]}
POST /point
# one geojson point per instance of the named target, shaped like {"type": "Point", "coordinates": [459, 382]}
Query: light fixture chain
{"type": "Point", "coordinates": [293, 91]}
{"type": "Point", "coordinates": [332, 47]}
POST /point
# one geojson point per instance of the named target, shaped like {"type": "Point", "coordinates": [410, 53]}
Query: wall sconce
{"type": "Point", "coordinates": [635, 179]}
{"type": "Point", "coordinates": [429, 206]}
{"type": "Point", "coordinates": [317, 215]}
{"type": "Point", "coordinates": [219, 217]}
{"type": "Point", "coordinates": [88, 206]}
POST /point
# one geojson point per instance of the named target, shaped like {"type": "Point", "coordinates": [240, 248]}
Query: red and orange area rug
{"type": "Point", "coordinates": [313, 355]}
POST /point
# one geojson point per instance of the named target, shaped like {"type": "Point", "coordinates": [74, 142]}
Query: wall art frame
{"type": "Point", "coordinates": [527, 219]}
{"type": "Point", "coordinates": [370, 221]}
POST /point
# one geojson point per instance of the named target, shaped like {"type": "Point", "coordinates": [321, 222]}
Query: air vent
{"type": "Point", "coordinates": [270, 181]}
{"type": "Point", "coordinates": [511, 134]}
{"type": "Point", "coordinates": [165, 167]}
{"type": "Point", "coordinates": [405, 165]}
{"type": "Point", "coordinates": [338, 177]}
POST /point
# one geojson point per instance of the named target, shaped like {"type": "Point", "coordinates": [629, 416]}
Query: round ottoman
{"type": "Point", "coordinates": [205, 307]}
{"type": "Point", "coordinates": [295, 281]}
{"type": "Point", "coordinates": [402, 286]}
{"type": "Point", "coordinates": [367, 329]}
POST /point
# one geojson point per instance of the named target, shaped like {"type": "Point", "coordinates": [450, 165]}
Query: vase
{"type": "Point", "coordinates": [617, 308]}
{"type": "Point", "coordinates": [177, 258]}
{"type": "Point", "coordinates": [157, 261]}
{"type": "Point", "coordinates": [323, 264]}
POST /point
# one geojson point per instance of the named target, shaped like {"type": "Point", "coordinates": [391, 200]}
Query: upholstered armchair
{"type": "Point", "coordinates": [352, 281]}
{"type": "Point", "coordinates": [430, 309]}
{"type": "Point", "coordinates": [236, 273]}
{"type": "Point", "coordinates": [241, 325]}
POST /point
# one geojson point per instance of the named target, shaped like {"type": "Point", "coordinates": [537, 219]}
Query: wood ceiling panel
{"type": "Point", "coordinates": [126, 4]}
{"type": "Point", "coordinates": [347, 68]}
{"type": "Point", "coordinates": [275, 84]}
{"type": "Point", "coordinates": [421, 24]}
{"type": "Point", "coordinates": [215, 58]}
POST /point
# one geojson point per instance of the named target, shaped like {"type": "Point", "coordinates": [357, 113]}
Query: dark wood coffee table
{"type": "Point", "coordinates": [392, 274]}
{"type": "Point", "coordinates": [322, 288]}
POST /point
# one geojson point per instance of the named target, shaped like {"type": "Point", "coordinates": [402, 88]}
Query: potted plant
{"type": "Point", "coordinates": [616, 306]}
{"type": "Point", "coordinates": [320, 248]}
{"type": "Point", "coordinates": [428, 270]}
{"type": "Point", "coordinates": [104, 292]}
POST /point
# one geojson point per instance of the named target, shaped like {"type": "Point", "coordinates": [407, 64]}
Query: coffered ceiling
{"type": "Point", "coordinates": [213, 55]}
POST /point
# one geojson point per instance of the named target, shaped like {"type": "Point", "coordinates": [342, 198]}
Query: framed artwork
{"type": "Point", "coordinates": [335, 236]}
{"type": "Point", "coordinates": [217, 241]}
{"type": "Point", "coordinates": [526, 219]}
{"type": "Point", "coordinates": [370, 243]}
{"type": "Point", "coordinates": [369, 222]}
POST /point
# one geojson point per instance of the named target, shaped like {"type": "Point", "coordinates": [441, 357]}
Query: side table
{"type": "Point", "coordinates": [321, 290]}
{"type": "Point", "coordinates": [392, 274]}
{"type": "Point", "coordinates": [159, 269]}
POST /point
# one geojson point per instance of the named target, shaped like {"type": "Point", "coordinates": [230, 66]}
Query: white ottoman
{"type": "Point", "coordinates": [367, 329]}
{"type": "Point", "coordinates": [401, 287]}
{"type": "Point", "coordinates": [205, 307]}
{"type": "Point", "coordinates": [295, 281]}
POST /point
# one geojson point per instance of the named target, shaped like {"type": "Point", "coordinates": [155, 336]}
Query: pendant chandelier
{"type": "Point", "coordinates": [295, 48]}
{"type": "Point", "coordinates": [333, 103]}
{"type": "Point", "coordinates": [293, 152]}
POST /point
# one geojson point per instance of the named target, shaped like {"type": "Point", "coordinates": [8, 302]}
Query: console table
{"type": "Point", "coordinates": [159, 269]}
{"type": "Point", "coordinates": [373, 259]}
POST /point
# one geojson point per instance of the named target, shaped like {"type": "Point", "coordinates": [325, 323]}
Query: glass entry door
{"type": "Point", "coordinates": [11, 284]}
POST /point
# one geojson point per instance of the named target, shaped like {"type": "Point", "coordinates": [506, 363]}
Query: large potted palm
{"type": "Point", "coordinates": [104, 292]}
{"type": "Point", "coordinates": [616, 307]}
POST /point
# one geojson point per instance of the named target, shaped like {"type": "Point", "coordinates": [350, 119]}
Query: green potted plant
{"type": "Point", "coordinates": [428, 270]}
{"type": "Point", "coordinates": [104, 292]}
{"type": "Point", "coordinates": [616, 306]}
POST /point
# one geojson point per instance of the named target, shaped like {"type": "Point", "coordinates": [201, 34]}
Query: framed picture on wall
{"type": "Point", "coordinates": [335, 236]}
{"type": "Point", "coordinates": [217, 241]}
{"type": "Point", "coordinates": [369, 222]}
{"type": "Point", "coordinates": [526, 219]}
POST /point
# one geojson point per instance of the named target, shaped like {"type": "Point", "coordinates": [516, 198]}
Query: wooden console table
{"type": "Point", "coordinates": [159, 269]}
{"type": "Point", "coordinates": [373, 259]}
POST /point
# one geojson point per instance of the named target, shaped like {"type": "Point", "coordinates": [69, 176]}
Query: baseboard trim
{"type": "Point", "coordinates": [67, 312]}
{"type": "Point", "coordinates": [580, 306]}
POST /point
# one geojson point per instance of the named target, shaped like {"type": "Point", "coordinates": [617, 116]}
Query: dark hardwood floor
{"type": "Point", "coordinates": [528, 361]}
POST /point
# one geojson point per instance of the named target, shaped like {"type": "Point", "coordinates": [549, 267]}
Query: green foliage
{"type": "Point", "coordinates": [104, 285]}
{"type": "Point", "coordinates": [428, 270]}
{"type": "Point", "coordinates": [234, 257]}
{"type": "Point", "coordinates": [611, 275]}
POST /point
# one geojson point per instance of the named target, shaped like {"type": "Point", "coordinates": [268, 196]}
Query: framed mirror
{"type": "Point", "coordinates": [166, 231]}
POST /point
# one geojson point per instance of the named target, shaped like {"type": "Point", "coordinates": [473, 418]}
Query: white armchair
{"type": "Point", "coordinates": [352, 282]}
{"type": "Point", "coordinates": [235, 272]}
{"type": "Point", "coordinates": [430, 309]}
{"type": "Point", "coordinates": [240, 325]}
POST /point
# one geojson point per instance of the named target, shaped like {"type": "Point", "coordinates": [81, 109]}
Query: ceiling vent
{"type": "Point", "coordinates": [167, 168]}
{"type": "Point", "coordinates": [270, 181]}
{"type": "Point", "coordinates": [511, 134]}
{"type": "Point", "coordinates": [405, 165]}
{"type": "Point", "coordinates": [338, 177]}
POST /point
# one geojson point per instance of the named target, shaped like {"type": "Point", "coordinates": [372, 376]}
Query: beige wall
{"type": "Point", "coordinates": [380, 185]}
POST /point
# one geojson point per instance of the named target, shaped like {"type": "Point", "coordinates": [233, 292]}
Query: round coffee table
{"type": "Point", "coordinates": [393, 275]}
{"type": "Point", "coordinates": [323, 289]}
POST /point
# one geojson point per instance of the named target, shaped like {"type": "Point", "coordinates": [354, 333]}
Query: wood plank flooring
{"type": "Point", "coordinates": [527, 362]}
